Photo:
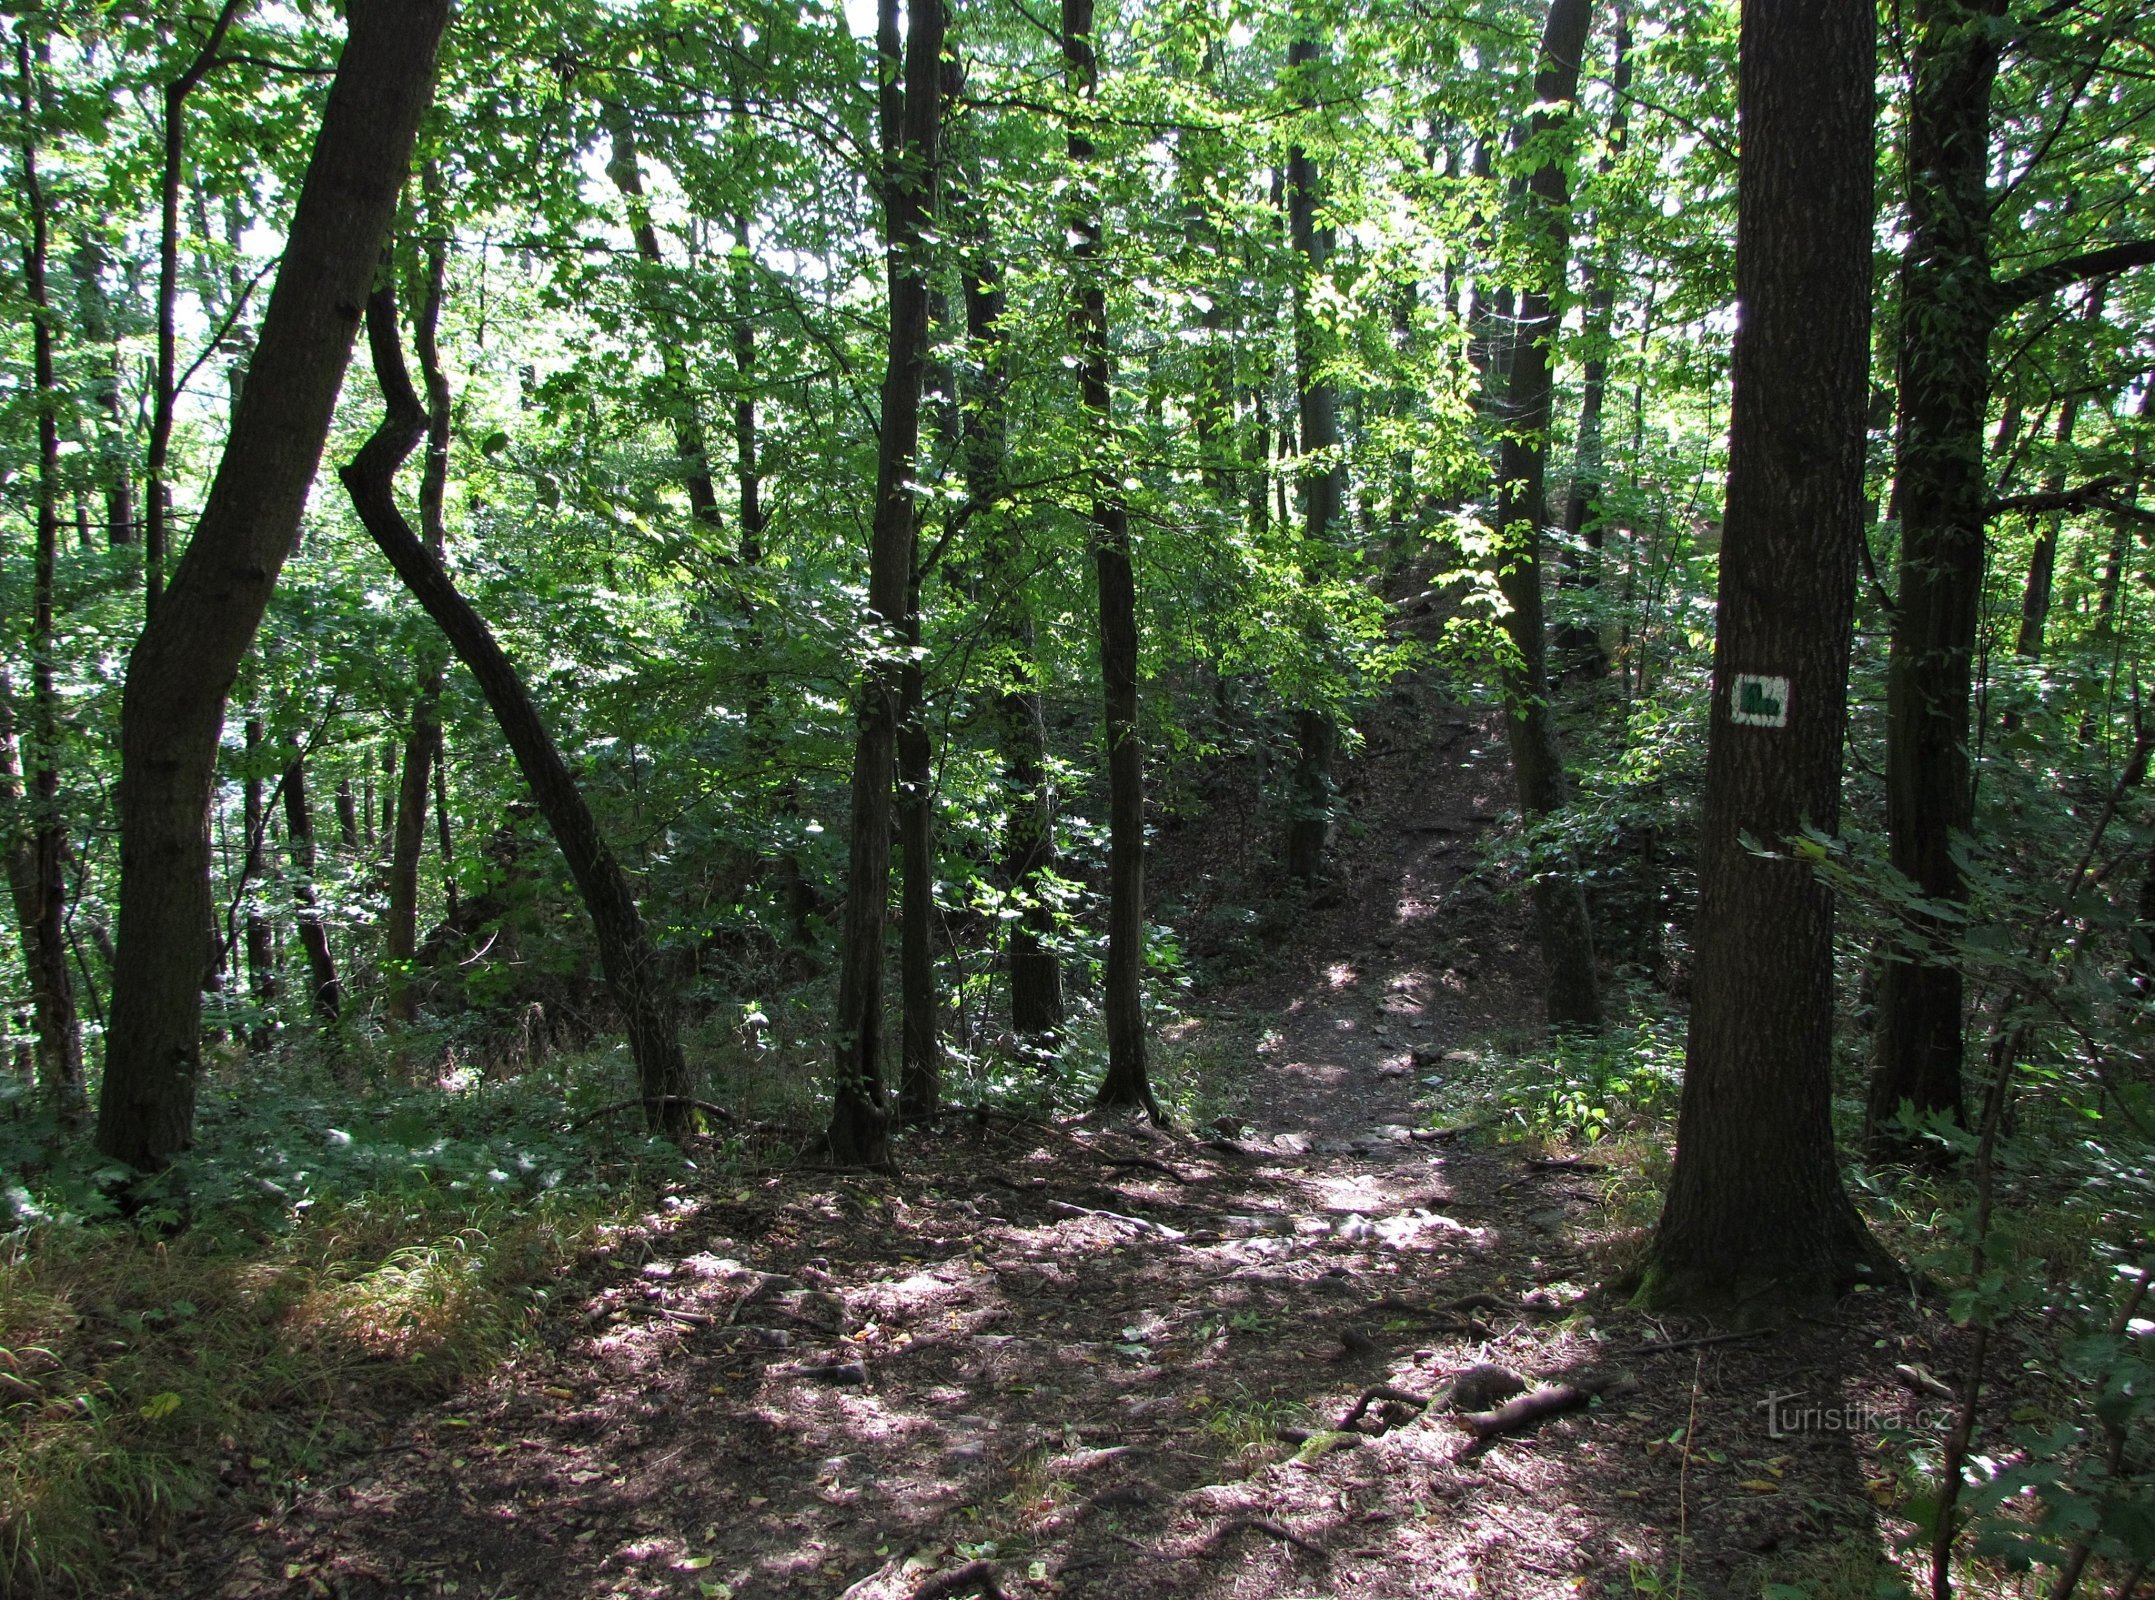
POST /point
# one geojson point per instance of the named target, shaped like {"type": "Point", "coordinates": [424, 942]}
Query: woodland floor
{"type": "Point", "coordinates": [819, 1384]}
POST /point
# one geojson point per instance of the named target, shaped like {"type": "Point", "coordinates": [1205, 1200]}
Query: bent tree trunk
{"type": "Point", "coordinates": [1755, 1205]}
{"type": "Point", "coordinates": [181, 671]}
{"type": "Point", "coordinates": [1560, 918]}
{"type": "Point", "coordinates": [860, 1116]}
{"type": "Point", "coordinates": [1127, 1081]}
{"type": "Point", "coordinates": [634, 974]}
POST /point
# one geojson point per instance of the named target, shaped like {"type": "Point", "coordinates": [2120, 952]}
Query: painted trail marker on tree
{"type": "Point", "coordinates": [1759, 702]}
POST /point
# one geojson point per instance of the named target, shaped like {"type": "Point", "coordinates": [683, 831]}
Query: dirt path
{"type": "Point", "coordinates": [1086, 1354]}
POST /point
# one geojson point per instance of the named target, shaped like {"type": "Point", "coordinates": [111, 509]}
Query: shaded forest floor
{"type": "Point", "coordinates": [1112, 1362]}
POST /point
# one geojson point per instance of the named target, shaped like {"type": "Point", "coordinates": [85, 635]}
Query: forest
{"type": "Point", "coordinates": [1233, 798]}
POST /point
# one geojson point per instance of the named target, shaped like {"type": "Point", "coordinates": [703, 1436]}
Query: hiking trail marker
{"type": "Point", "coordinates": [1759, 702]}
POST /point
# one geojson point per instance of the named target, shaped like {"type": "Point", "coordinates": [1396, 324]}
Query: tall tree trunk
{"type": "Point", "coordinates": [409, 837]}
{"type": "Point", "coordinates": [685, 416]}
{"type": "Point", "coordinates": [261, 942]}
{"type": "Point", "coordinates": [635, 976]}
{"type": "Point", "coordinates": [2043, 558]}
{"type": "Point", "coordinates": [1324, 479]}
{"type": "Point", "coordinates": [101, 336]}
{"type": "Point", "coordinates": [442, 832]}
{"type": "Point", "coordinates": [181, 671]}
{"type": "Point", "coordinates": [1941, 491]}
{"type": "Point", "coordinates": [920, 1072]}
{"type": "Point", "coordinates": [1560, 917]}
{"type": "Point", "coordinates": [1028, 845]}
{"type": "Point", "coordinates": [325, 996]}
{"type": "Point", "coordinates": [1755, 1207]}
{"type": "Point", "coordinates": [1581, 646]}
{"type": "Point", "coordinates": [1127, 1081]}
{"type": "Point", "coordinates": [52, 992]}
{"type": "Point", "coordinates": [911, 123]}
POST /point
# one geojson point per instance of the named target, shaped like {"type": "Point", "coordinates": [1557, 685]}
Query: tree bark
{"type": "Point", "coordinates": [860, 1117]}
{"type": "Point", "coordinates": [408, 838]}
{"type": "Point", "coordinates": [52, 992]}
{"type": "Point", "coordinates": [635, 976]}
{"type": "Point", "coordinates": [1324, 478]}
{"type": "Point", "coordinates": [1567, 944]}
{"type": "Point", "coordinates": [1941, 492]}
{"type": "Point", "coordinates": [182, 667]}
{"type": "Point", "coordinates": [102, 337]}
{"type": "Point", "coordinates": [1127, 1081]}
{"type": "Point", "coordinates": [261, 944]}
{"type": "Point", "coordinates": [1755, 1208]}
{"type": "Point", "coordinates": [920, 1071]}
{"type": "Point", "coordinates": [2043, 558]}
{"type": "Point", "coordinates": [324, 994]}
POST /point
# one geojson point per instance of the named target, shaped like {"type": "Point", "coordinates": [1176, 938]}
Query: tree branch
{"type": "Point", "coordinates": [2013, 293]}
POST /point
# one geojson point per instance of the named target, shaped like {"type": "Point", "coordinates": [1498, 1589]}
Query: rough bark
{"type": "Point", "coordinates": [182, 667]}
{"type": "Point", "coordinates": [1755, 1209]}
{"type": "Point", "coordinates": [1127, 1081]}
{"type": "Point", "coordinates": [1323, 481]}
{"type": "Point", "coordinates": [325, 995]}
{"type": "Point", "coordinates": [860, 1117]}
{"type": "Point", "coordinates": [635, 976]}
{"type": "Point", "coordinates": [1941, 491]}
{"type": "Point", "coordinates": [52, 992]}
{"type": "Point", "coordinates": [1573, 994]}
{"type": "Point", "coordinates": [408, 837]}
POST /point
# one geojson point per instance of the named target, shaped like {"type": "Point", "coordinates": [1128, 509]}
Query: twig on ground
{"type": "Point", "coordinates": [1536, 1405]}
{"type": "Point", "coordinates": [1663, 1347]}
{"type": "Point", "coordinates": [1145, 1224]}
{"type": "Point", "coordinates": [1267, 1527]}
{"type": "Point", "coordinates": [1381, 1394]}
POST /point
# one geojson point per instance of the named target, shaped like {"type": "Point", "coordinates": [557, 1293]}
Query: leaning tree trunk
{"type": "Point", "coordinates": [52, 991]}
{"type": "Point", "coordinates": [1324, 481]}
{"type": "Point", "coordinates": [172, 710]}
{"type": "Point", "coordinates": [635, 975]}
{"type": "Point", "coordinates": [1566, 936]}
{"type": "Point", "coordinates": [860, 1117]}
{"type": "Point", "coordinates": [1127, 1081]}
{"type": "Point", "coordinates": [1755, 1208]}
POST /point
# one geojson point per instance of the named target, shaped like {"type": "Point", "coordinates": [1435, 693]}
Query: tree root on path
{"type": "Point", "coordinates": [1381, 1394]}
{"type": "Point", "coordinates": [1267, 1527]}
{"type": "Point", "coordinates": [973, 1577]}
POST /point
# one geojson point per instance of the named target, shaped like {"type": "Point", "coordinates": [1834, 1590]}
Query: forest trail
{"type": "Point", "coordinates": [1115, 1363]}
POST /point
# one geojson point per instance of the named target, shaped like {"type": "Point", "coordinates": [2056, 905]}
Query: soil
{"type": "Point", "coordinates": [1093, 1359]}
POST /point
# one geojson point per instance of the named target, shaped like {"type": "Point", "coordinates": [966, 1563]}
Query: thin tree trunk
{"type": "Point", "coordinates": [1580, 646]}
{"type": "Point", "coordinates": [52, 993]}
{"type": "Point", "coordinates": [324, 994]}
{"type": "Point", "coordinates": [1567, 945]}
{"type": "Point", "coordinates": [182, 667]}
{"type": "Point", "coordinates": [443, 836]}
{"type": "Point", "coordinates": [2043, 558]}
{"type": "Point", "coordinates": [1755, 1209]}
{"type": "Point", "coordinates": [101, 336]}
{"type": "Point", "coordinates": [1127, 1081]}
{"type": "Point", "coordinates": [1028, 847]}
{"type": "Point", "coordinates": [1324, 478]}
{"type": "Point", "coordinates": [261, 943]}
{"type": "Point", "coordinates": [409, 837]}
{"type": "Point", "coordinates": [635, 975]}
{"type": "Point", "coordinates": [911, 125]}
{"type": "Point", "coordinates": [920, 1073]}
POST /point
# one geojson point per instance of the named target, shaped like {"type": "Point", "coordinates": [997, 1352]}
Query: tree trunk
{"type": "Point", "coordinates": [52, 992]}
{"type": "Point", "coordinates": [911, 121]}
{"type": "Point", "coordinates": [443, 836]}
{"type": "Point", "coordinates": [324, 994]}
{"type": "Point", "coordinates": [1560, 917]}
{"type": "Point", "coordinates": [1324, 479]}
{"type": "Point", "coordinates": [2043, 558]}
{"type": "Point", "coordinates": [408, 839]}
{"type": "Point", "coordinates": [261, 943]}
{"type": "Point", "coordinates": [1580, 646]}
{"type": "Point", "coordinates": [182, 666]}
{"type": "Point", "coordinates": [635, 976]}
{"type": "Point", "coordinates": [1755, 1208]}
{"type": "Point", "coordinates": [94, 309]}
{"type": "Point", "coordinates": [920, 1073]}
{"type": "Point", "coordinates": [348, 817]}
{"type": "Point", "coordinates": [1941, 491]}
{"type": "Point", "coordinates": [1127, 1081]}
{"type": "Point", "coordinates": [1028, 845]}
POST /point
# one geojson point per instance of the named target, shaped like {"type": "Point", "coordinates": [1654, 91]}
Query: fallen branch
{"type": "Point", "coordinates": [1267, 1527]}
{"type": "Point", "coordinates": [1564, 1164]}
{"type": "Point", "coordinates": [1144, 1224]}
{"type": "Point", "coordinates": [1381, 1394]}
{"type": "Point", "coordinates": [1536, 1405]}
{"type": "Point", "coordinates": [637, 1103]}
{"type": "Point", "coordinates": [1666, 1345]}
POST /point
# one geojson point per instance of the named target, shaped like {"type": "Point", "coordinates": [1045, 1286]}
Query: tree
{"type": "Point", "coordinates": [1127, 1082]}
{"type": "Point", "coordinates": [1755, 1205]}
{"type": "Point", "coordinates": [1573, 993]}
{"type": "Point", "coordinates": [860, 1119]}
{"type": "Point", "coordinates": [182, 667]}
